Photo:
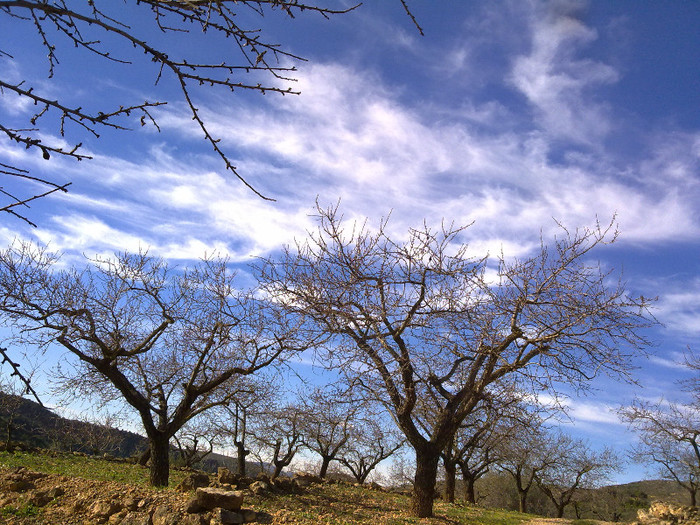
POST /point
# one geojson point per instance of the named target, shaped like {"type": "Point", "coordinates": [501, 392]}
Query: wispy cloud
{"type": "Point", "coordinates": [557, 82]}
{"type": "Point", "coordinates": [679, 307]}
{"type": "Point", "coordinates": [356, 137]}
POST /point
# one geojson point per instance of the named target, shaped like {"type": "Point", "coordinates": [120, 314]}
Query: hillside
{"type": "Point", "coordinates": [655, 490]}
{"type": "Point", "coordinates": [71, 490]}
{"type": "Point", "coordinates": [36, 426]}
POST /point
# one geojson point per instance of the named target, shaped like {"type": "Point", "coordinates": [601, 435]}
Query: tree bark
{"type": "Point", "coordinates": [8, 440]}
{"type": "Point", "coordinates": [522, 501]}
{"type": "Point", "coordinates": [469, 492]}
{"type": "Point", "coordinates": [450, 477]}
{"type": "Point", "coordinates": [279, 465]}
{"type": "Point", "coordinates": [242, 453]}
{"type": "Point", "coordinates": [693, 500]}
{"type": "Point", "coordinates": [324, 466]}
{"type": "Point", "coordinates": [424, 483]}
{"type": "Point", "coordinates": [160, 460]}
{"type": "Point", "coordinates": [145, 456]}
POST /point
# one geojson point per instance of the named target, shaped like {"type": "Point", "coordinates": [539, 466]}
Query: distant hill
{"type": "Point", "coordinates": [37, 426]}
{"type": "Point", "coordinates": [33, 425]}
{"type": "Point", "coordinates": [656, 490]}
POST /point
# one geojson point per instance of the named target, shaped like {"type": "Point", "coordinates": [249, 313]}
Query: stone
{"type": "Point", "coordinates": [194, 519]}
{"type": "Point", "coordinates": [225, 517]}
{"type": "Point", "coordinates": [136, 518]}
{"type": "Point", "coordinates": [20, 485]}
{"type": "Point", "coordinates": [116, 519]}
{"type": "Point", "coordinates": [208, 498]}
{"type": "Point", "coordinates": [163, 515]}
{"type": "Point", "coordinates": [249, 515]}
{"type": "Point", "coordinates": [40, 499]}
{"type": "Point", "coordinates": [259, 487]}
{"type": "Point", "coordinates": [664, 513]}
{"type": "Point", "coordinates": [104, 509]}
{"type": "Point", "coordinates": [193, 481]}
{"type": "Point", "coordinates": [284, 484]}
{"type": "Point", "coordinates": [225, 476]}
{"type": "Point", "coordinates": [56, 492]}
{"type": "Point", "coordinates": [304, 480]}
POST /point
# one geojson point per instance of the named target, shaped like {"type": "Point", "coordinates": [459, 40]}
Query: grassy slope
{"type": "Point", "coordinates": [321, 504]}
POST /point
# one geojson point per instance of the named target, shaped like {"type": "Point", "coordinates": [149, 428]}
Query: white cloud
{"type": "Point", "coordinates": [349, 137]}
{"type": "Point", "coordinates": [558, 84]}
{"type": "Point", "coordinates": [679, 307]}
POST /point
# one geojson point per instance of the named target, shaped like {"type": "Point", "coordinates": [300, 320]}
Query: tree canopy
{"type": "Point", "coordinates": [424, 319]}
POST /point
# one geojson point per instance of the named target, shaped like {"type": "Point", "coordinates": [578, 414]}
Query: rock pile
{"type": "Point", "coordinates": [667, 514]}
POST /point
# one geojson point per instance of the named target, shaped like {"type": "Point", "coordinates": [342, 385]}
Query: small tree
{"type": "Point", "coordinates": [165, 342]}
{"type": "Point", "coordinates": [249, 402]}
{"type": "Point", "coordinates": [281, 436]}
{"type": "Point", "coordinates": [195, 441]}
{"type": "Point", "coordinates": [422, 319]}
{"type": "Point", "coordinates": [476, 445]}
{"type": "Point", "coordinates": [669, 433]}
{"type": "Point", "coordinates": [369, 444]}
{"type": "Point", "coordinates": [327, 422]}
{"type": "Point", "coordinates": [573, 466]}
{"type": "Point", "coordinates": [669, 437]}
{"type": "Point", "coordinates": [524, 456]}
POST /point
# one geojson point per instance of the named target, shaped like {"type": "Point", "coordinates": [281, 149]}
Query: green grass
{"type": "Point", "coordinates": [24, 511]}
{"type": "Point", "coordinates": [339, 504]}
{"type": "Point", "coordinates": [67, 464]}
{"type": "Point", "coordinates": [324, 504]}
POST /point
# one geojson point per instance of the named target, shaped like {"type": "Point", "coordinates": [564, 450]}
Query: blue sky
{"type": "Point", "coordinates": [508, 114]}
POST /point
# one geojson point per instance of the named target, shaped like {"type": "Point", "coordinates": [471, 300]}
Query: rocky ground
{"type": "Point", "coordinates": [29, 497]}
{"type": "Point", "coordinates": [73, 501]}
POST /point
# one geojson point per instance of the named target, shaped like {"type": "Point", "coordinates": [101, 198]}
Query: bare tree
{"type": "Point", "coordinates": [249, 402]}
{"type": "Point", "coordinates": [239, 57]}
{"type": "Point", "coordinates": [328, 418]}
{"type": "Point", "coordinates": [421, 319]}
{"type": "Point", "coordinates": [91, 433]}
{"type": "Point", "coordinates": [476, 445]}
{"type": "Point", "coordinates": [669, 433]}
{"type": "Point", "coordinates": [573, 466]}
{"type": "Point", "coordinates": [369, 444]}
{"type": "Point", "coordinates": [280, 435]}
{"type": "Point", "coordinates": [163, 341]}
{"type": "Point", "coordinates": [669, 437]}
{"type": "Point", "coordinates": [196, 440]}
{"type": "Point", "coordinates": [524, 457]}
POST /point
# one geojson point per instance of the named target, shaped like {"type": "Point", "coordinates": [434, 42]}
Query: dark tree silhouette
{"type": "Point", "coordinates": [422, 319]}
{"type": "Point", "coordinates": [167, 343]}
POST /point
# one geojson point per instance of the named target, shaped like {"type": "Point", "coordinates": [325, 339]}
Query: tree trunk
{"type": "Point", "coordinates": [693, 495]}
{"type": "Point", "coordinates": [324, 466]}
{"type": "Point", "coordinates": [160, 460]}
{"type": "Point", "coordinates": [450, 476]}
{"type": "Point", "coordinates": [145, 456]}
{"type": "Point", "coordinates": [8, 441]}
{"type": "Point", "coordinates": [469, 492]}
{"type": "Point", "coordinates": [242, 453]}
{"type": "Point", "coordinates": [424, 483]}
{"type": "Point", "coordinates": [522, 500]}
{"type": "Point", "coordinates": [560, 511]}
{"type": "Point", "coordinates": [279, 465]}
